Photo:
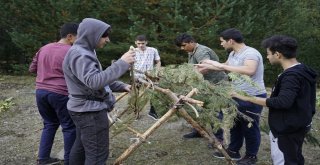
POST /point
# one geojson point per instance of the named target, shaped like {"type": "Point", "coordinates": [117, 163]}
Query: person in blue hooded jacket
{"type": "Point", "coordinates": [292, 101]}
{"type": "Point", "coordinates": [90, 91]}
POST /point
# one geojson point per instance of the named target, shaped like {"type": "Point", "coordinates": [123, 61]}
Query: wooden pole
{"type": "Point", "coordinates": [166, 117]}
{"type": "Point", "coordinates": [147, 133]}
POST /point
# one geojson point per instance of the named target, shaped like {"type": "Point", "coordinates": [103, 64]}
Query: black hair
{"type": "Point", "coordinates": [141, 37]}
{"type": "Point", "coordinates": [106, 33]}
{"type": "Point", "coordinates": [184, 38]}
{"type": "Point", "coordinates": [285, 45]}
{"type": "Point", "coordinates": [232, 33]}
{"type": "Point", "coordinates": [68, 28]}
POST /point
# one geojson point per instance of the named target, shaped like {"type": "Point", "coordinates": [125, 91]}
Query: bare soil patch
{"type": "Point", "coordinates": [20, 129]}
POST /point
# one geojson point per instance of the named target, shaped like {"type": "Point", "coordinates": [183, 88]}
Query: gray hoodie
{"type": "Point", "coordinates": [84, 74]}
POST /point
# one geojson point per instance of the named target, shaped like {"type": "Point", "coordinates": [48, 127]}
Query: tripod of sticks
{"type": "Point", "coordinates": [174, 109]}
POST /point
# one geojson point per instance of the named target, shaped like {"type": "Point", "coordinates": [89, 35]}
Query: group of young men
{"type": "Point", "coordinates": [74, 91]}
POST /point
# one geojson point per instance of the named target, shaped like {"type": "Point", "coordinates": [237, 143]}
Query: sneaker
{"type": "Point", "coordinates": [247, 160]}
{"type": "Point", "coordinates": [153, 115]}
{"type": "Point", "coordinates": [50, 161]}
{"type": "Point", "coordinates": [233, 155]}
{"type": "Point", "coordinates": [193, 134]}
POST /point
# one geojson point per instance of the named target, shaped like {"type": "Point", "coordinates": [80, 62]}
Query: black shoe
{"type": "Point", "coordinates": [153, 115]}
{"type": "Point", "coordinates": [248, 160]}
{"type": "Point", "coordinates": [50, 161]}
{"type": "Point", "coordinates": [233, 155]}
{"type": "Point", "coordinates": [193, 134]}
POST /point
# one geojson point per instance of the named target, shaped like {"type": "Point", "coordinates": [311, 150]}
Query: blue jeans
{"type": "Point", "coordinates": [240, 131]}
{"type": "Point", "coordinates": [91, 146]}
{"type": "Point", "coordinates": [53, 110]}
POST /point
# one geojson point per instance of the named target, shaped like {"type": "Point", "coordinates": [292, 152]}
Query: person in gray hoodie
{"type": "Point", "coordinates": [90, 91]}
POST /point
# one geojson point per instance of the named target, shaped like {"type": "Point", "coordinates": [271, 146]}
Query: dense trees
{"type": "Point", "coordinates": [26, 25]}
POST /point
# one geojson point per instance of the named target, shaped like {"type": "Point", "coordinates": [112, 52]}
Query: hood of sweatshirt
{"type": "Point", "coordinates": [88, 36]}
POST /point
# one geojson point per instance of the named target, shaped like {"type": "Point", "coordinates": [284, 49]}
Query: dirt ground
{"type": "Point", "coordinates": [20, 129]}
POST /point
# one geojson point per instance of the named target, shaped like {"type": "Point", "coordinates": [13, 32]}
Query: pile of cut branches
{"type": "Point", "coordinates": [183, 78]}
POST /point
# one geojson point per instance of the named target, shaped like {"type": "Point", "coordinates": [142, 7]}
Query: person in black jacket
{"type": "Point", "coordinates": [292, 101]}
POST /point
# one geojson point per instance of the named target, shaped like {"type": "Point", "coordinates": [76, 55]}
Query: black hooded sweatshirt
{"type": "Point", "coordinates": [292, 101]}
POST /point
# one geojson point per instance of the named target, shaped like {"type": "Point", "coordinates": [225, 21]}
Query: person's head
{"type": "Point", "coordinates": [186, 42]}
{"type": "Point", "coordinates": [280, 47]}
{"type": "Point", "coordinates": [141, 41]}
{"type": "Point", "coordinates": [68, 31]}
{"type": "Point", "coordinates": [93, 33]}
{"type": "Point", "coordinates": [230, 37]}
{"type": "Point", "coordinates": [104, 38]}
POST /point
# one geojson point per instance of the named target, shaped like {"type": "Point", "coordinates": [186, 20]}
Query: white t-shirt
{"type": "Point", "coordinates": [145, 60]}
{"type": "Point", "coordinates": [238, 59]}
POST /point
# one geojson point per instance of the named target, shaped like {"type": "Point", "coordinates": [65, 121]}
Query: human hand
{"type": "Point", "coordinates": [128, 57]}
{"type": "Point", "coordinates": [205, 67]}
{"type": "Point", "coordinates": [202, 68]}
{"type": "Point", "coordinates": [127, 88]}
{"type": "Point", "coordinates": [234, 94]}
{"type": "Point", "coordinates": [216, 64]}
{"type": "Point", "coordinates": [239, 96]}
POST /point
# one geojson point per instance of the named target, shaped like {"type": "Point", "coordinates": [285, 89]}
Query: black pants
{"type": "Point", "coordinates": [91, 146]}
{"type": "Point", "coordinates": [291, 147]}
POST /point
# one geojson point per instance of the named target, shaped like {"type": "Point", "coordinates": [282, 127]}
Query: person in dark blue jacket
{"type": "Point", "coordinates": [292, 101]}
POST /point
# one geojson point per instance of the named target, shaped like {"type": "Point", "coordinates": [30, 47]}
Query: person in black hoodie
{"type": "Point", "coordinates": [292, 101]}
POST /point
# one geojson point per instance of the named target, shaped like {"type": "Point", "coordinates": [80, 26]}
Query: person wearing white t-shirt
{"type": "Point", "coordinates": [248, 61]}
{"type": "Point", "coordinates": [145, 60]}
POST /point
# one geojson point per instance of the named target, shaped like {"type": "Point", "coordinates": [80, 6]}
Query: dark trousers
{"type": "Point", "coordinates": [219, 133]}
{"type": "Point", "coordinates": [53, 110]}
{"type": "Point", "coordinates": [291, 147]}
{"type": "Point", "coordinates": [242, 130]}
{"type": "Point", "coordinates": [91, 146]}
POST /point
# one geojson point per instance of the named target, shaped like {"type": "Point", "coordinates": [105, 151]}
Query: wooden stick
{"type": "Point", "coordinates": [121, 96]}
{"type": "Point", "coordinates": [136, 132]}
{"type": "Point", "coordinates": [117, 116]}
{"type": "Point", "coordinates": [166, 117]}
{"type": "Point", "coordinates": [156, 125]}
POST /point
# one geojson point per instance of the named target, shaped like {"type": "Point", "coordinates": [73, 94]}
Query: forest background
{"type": "Point", "coordinates": [25, 26]}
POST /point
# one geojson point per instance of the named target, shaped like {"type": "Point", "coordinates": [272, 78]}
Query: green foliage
{"type": "Point", "coordinates": [310, 138]}
{"type": "Point", "coordinates": [238, 78]}
{"type": "Point", "coordinates": [6, 104]}
{"type": "Point", "coordinates": [318, 100]}
{"type": "Point", "coordinates": [181, 80]}
{"type": "Point", "coordinates": [19, 69]}
{"type": "Point", "coordinates": [300, 19]}
{"type": "Point", "coordinates": [138, 99]}
{"type": "Point", "coordinates": [27, 25]}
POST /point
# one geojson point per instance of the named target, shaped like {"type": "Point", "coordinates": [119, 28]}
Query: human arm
{"type": "Point", "coordinates": [205, 67]}
{"type": "Point", "coordinates": [157, 64]}
{"type": "Point", "coordinates": [119, 86]}
{"type": "Point", "coordinates": [157, 61]}
{"type": "Point", "coordinates": [34, 64]}
{"type": "Point", "coordinates": [128, 57]}
{"type": "Point", "coordinates": [285, 92]}
{"type": "Point", "coordinates": [249, 66]}
{"type": "Point", "coordinates": [87, 69]}
{"type": "Point", "coordinates": [282, 98]}
{"type": "Point", "coordinates": [252, 99]}
{"type": "Point", "coordinates": [205, 55]}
